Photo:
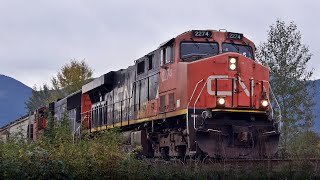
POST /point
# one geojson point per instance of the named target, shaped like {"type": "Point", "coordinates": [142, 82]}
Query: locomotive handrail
{"type": "Point", "coordinates": [112, 104]}
{"type": "Point", "coordinates": [275, 99]}
{"type": "Point", "coordinates": [194, 90]}
{"type": "Point", "coordinates": [268, 98]}
{"type": "Point", "coordinates": [194, 105]}
{"type": "Point", "coordinates": [146, 77]}
{"type": "Point", "coordinates": [112, 107]}
{"type": "Point", "coordinates": [79, 128]}
{"type": "Point", "coordinates": [203, 88]}
{"type": "Point", "coordinates": [251, 92]}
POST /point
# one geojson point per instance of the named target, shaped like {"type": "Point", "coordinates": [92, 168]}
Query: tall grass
{"type": "Point", "coordinates": [55, 156]}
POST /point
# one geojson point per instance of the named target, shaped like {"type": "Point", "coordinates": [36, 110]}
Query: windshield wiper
{"type": "Point", "coordinates": [194, 43]}
{"type": "Point", "coordinates": [249, 51]}
{"type": "Point", "coordinates": [235, 46]}
{"type": "Point", "coordinates": [193, 56]}
{"type": "Point", "coordinates": [212, 47]}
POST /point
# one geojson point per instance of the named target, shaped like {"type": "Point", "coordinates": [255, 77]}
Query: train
{"type": "Point", "coordinates": [199, 94]}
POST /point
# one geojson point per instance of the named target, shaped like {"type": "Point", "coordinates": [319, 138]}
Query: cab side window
{"type": "Point", "coordinates": [150, 59]}
{"type": "Point", "coordinates": [140, 67]}
{"type": "Point", "coordinates": [166, 55]}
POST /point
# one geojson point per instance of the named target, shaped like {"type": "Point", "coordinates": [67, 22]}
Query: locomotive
{"type": "Point", "coordinates": [27, 127]}
{"type": "Point", "coordinates": [201, 93]}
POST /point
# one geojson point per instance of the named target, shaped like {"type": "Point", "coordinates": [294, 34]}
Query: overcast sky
{"type": "Point", "coordinates": [37, 37]}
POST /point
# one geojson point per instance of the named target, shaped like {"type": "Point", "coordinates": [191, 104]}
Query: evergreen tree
{"type": "Point", "coordinates": [41, 97]}
{"type": "Point", "coordinates": [287, 59]}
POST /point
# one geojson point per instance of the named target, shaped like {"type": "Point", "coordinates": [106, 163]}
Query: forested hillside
{"type": "Point", "coordinates": [13, 94]}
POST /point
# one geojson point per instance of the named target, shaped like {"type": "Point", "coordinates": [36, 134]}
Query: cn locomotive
{"type": "Point", "coordinates": [201, 93]}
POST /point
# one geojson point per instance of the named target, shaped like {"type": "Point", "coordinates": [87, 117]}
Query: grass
{"type": "Point", "coordinates": [54, 156]}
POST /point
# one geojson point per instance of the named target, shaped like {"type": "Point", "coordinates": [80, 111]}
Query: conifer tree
{"type": "Point", "coordinates": [40, 97]}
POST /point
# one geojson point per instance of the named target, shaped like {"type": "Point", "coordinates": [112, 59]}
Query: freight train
{"type": "Point", "coordinates": [201, 93]}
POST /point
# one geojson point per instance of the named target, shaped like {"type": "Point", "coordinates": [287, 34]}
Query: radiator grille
{"type": "Point", "coordinates": [162, 103]}
{"type": "Point", "coordinates": [171, 101]}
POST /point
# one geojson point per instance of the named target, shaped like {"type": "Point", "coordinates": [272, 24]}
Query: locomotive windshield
{"type": "Point", "coordinates": [191, 51]}
{"type": "Point", "coordinates": [241, 49]}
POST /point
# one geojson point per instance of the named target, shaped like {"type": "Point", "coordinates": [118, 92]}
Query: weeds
{"type": "Point", "coordinates": [55, 156]}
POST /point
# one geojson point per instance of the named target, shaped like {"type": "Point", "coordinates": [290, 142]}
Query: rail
{"type": "Point", "coordinates": [278, 105]}
{"type": "Point", "coordinates": [250, 93]}
{"type": "Point", "coordinates": [194, 90]}
{"type": "Point", "coordinates": [77, 131]}
{"type": "Point", "coordinates": [119, 111]}
{"type": "Point", "coordinates": [103, 113]}
{"type": "Point", "coordinates": [216, 93]}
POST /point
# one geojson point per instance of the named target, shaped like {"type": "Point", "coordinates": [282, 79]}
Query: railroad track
{"type": "Point", "coordinates": [303, 168]}
{"type": "Point", "coordinates": [207, 161]}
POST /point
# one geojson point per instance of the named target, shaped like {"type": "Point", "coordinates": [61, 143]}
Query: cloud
{"type": "Point", "coordinates": [38, 37]}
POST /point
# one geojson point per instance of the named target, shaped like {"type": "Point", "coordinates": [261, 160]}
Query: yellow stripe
{"type": "Point", "coordinates": [238, 110]}
{"type": "Point", "coordinates": [166, 115]}
{"type": "Point", "coordinates": [125, 123]}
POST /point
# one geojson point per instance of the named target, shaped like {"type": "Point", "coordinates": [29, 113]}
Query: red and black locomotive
{"type": "Point", "coordinates": [201, 92]}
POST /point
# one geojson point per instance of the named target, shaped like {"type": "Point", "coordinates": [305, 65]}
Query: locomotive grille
{"type": "Point", "coordinates": [162, 103]}
{"type": "Point", "coordinates": [171, 101]}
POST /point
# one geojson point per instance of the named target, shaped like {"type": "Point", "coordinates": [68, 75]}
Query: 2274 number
{"type": "Point", "coordinates": [205, 34]}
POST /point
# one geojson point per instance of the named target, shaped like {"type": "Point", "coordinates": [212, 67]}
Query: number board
{"type": "Point", "coordinates": [236, 36]}
{"type": "Point", "coordinates": [202, 34]}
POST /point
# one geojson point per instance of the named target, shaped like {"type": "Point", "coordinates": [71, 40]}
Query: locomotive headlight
{"type": "Point", "coordinates": [232, 66]}
{"type": "Point", "coordinates": [264, 103]}
{"type": "Point", "coordinates": [221, 101]}
{"type": "Point", "coordinates": [233, 60]}
{"type": "Point", "coordinates": [232, 63]}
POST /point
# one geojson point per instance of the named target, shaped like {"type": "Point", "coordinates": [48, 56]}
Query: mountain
{"type": "Point", "coordinates": [13, 94]}
{"type": "Point", "coordinates": [317, 107]}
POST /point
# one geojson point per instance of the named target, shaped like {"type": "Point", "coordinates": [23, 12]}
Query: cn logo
{"type": "Point", "coordinates": [224, 78]}
{"type": "Point", "coordinates": [166, 74]}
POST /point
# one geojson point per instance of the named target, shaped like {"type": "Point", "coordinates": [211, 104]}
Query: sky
{"type": "Point", "coordinates": [37, 37]}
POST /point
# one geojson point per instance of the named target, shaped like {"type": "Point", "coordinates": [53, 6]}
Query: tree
{"type": "Point", "coordinates": [69, 79]}
{"type": "Point", "coordinates": [41, 97]}
{"type": "Point", "coordinates": [72, 77]}
{"type": "Point", "coordinates": [306, 145]}
{"type": "Point", "coordinates": [287, 59]}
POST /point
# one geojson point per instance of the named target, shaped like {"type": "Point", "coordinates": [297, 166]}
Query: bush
{"type": "Point", "coordinates": [55, 156]}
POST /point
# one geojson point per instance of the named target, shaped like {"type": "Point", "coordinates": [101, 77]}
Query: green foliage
{"type": "Point", "coordinates": [41, 97]}
{"type": "Point", "coordinates": [69, 79]}
{"type": "Point", "coordinates": [72, 76]}
{"type": "Point", "coordinates": [54, 156]}
{"type": "Point", "coordinates": [305, 144]}
{"type": "Point", "coordinates": [287, 59]}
